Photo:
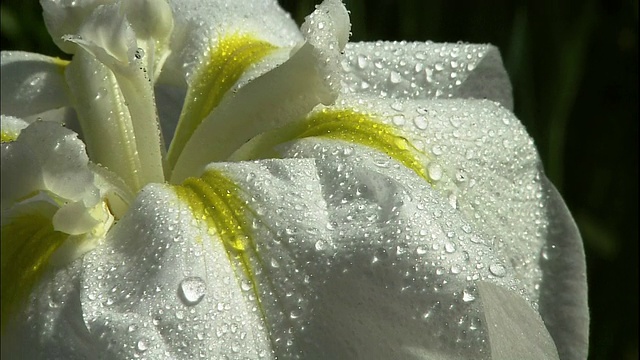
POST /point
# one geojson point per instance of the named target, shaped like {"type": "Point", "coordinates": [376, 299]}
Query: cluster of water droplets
{"type": "Point", "coordinates": [409, 70]}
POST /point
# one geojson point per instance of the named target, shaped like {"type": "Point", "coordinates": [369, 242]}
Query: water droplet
{"type": "Point", "coordinates": [295, 314]}
{"type": "Point", "coordinates": [549, 252]}
{"type": "Point", "coordinates": [245, 285]}
{"type": "Point", "coordinates": [420, 250]}
{"type": "Point", "coordinates": [398, 120]}
{"type": "Point", "coordinates": [142, 345]}
{"type": "Point", "coordinates": [139, 54]}
{"type": "Point", "coordinates": [362, 61]}
{"type": "Point", "coordinates": [397, 106]}
{"type": "Point", "coordinates": [395, 77]}
{"type": "Point", "coordinates": [467, 296]}
{"type": "Point", "coordinates": [435, 171]}
{"type": "Point", "coordinates": [274, 263]}
{"type": "Point", "coordinates": [498, 270]}
{"type": "Point", "coordinates": [191, 290]}
{"type": "Point", "coordinates": [380, 255]}
{"type": "Point", "coordinates": [449, 247]}
{"type": "Point", "coordinates": [420, 122]}
{"type": "Point", "coordinates": [320, 245]}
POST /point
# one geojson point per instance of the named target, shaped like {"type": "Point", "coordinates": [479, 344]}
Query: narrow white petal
{"type": "Point", "coordinates": [64, 17]}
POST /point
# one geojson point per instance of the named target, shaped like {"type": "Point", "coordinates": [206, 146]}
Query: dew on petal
{"type": "Point", "coordinates": [498, 270]}
{"type": "Point", "coordinates": [191, 290]}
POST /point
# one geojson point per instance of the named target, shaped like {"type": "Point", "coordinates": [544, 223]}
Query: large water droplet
{"type": "Point", "coordinates": [449, 247]}
{"type": "Point", "coordinates": [420, 122]}
{"type": "Point", "coordinates": [192, 290]}
{"type": "Point", "coordinates": [362, 61]}
{"type": "Point", "coordinates": [139, 54]}
{"type": "Point", "coordinates": [435, 171]}
{"type": "Point", "coordinates": [498, 270]}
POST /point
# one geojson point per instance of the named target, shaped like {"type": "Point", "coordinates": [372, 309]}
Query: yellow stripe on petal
{"type": "Point", "coordinates": [232, 57]}
{"type": "Point", "coordinates": [343, 124]}
{"type": "Point", "coordinates": [215, 200]}
{"type": "Point", "coordinates": [7, 136]}
{"type": "Point", "coordinates": [28, 241]}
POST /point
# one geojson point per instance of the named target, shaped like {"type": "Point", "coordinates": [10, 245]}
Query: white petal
{"type": "Point", "coordinates": [291, 247]}
{"type": "Point", "coordinates": [48, 163]}
{"type": "Point", "coordinates": [31, 83]}
{"type": "Point", "coordinates": [47, 157]}
{"type": "Point", "coordinates": [407, 262]}
{"type": "Point", "coordinates": [426, 70]}
{"type": "Point", "coordinates": [563, 292]}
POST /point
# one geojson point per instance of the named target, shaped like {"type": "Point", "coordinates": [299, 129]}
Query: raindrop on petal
{"type": "Point", "coordinates": [192, 290]}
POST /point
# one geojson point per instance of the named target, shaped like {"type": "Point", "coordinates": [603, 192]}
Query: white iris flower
{"type": "Point", "coordinates": [204, 180]}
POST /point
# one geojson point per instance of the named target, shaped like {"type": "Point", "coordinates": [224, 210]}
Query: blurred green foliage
{"type": "Point", "coordinates": [574, 69]}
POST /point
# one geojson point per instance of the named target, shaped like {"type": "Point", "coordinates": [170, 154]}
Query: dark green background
{"type": "Point", "coordinates": [574, 67]}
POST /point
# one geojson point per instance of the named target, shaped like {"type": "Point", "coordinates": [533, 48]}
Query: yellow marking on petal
{"type": "Point", "coordinates": [28, 241]}
{"type": "Point", "coordinates": [215, 200]}
{"type": "Point", "coordinates": [8, 136]}
{"type": "Point", "coordinates": [231, 58]}
{"type": "Point", "coordinates": [61, 62]}
{"type": "Point", "coordinates": [343, 124]}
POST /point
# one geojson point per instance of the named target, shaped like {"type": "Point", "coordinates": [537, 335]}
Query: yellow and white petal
{"type": "Point", "coordinates": [480, 161]}
{"type": "Point", "coordinates": [55, 208]}
{"type": "Point", "coordinates": [177, 277]}
{"type": "Point", "coordinates": [474, 152]}
{"type": "Point", "coordinates": [407, 264]}
{"type": "Point", "coordinates": [426, 70]}
{"type": "Point", "coordinates": [280, 96]}
{"type": "Point", "coordinates": [201, 25]}
{"type": "Point", "coordinates": [286, 245]}
{"type": "Point", "coordinates": [32, 84]}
